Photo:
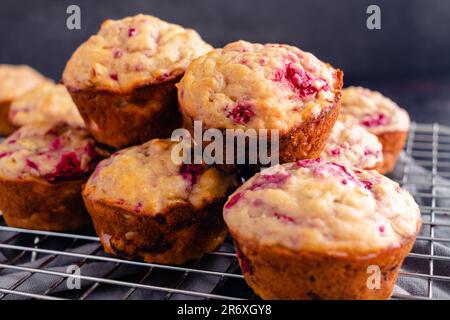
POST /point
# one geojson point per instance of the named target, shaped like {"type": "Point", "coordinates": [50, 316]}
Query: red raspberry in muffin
{"type": "Point", "coordinates": [15, 81]}
{"type": "Point", "coordinates": [48, 102]}
{"type": "Point", "coordinates": [123, 78]}
{"type": "Point", "coordinates": [271, 86]}
{"type": "Point", "coordinates": [314, 233]}
{"type": "Point", "coordinates": [42, 168]}
{"type": "Point", "coordinates": [352, 145]}
{"type": "Point", "coordinates": [382, 117]}
{"type": "Point", "coordinates": [145, 206]}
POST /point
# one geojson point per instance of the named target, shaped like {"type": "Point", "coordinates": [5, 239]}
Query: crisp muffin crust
{"type": "Point", "coordinates": [313, 229]}
{"type": "Point", "coordinates": [350, 144]}
{"type": "Point", "coordinates": [16, 80]}
{"type": "Point", "coordinates": [144, 206]}
{"type": "Point", "coordinates": [256, 86]}
{"type": "Point", "coordinates": [48, 102]}
{"type": "Point", "coordinates": [133, 52]}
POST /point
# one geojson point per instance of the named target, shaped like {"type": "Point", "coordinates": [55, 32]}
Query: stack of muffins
{"type": "Point", "coordinates": [307, 228]}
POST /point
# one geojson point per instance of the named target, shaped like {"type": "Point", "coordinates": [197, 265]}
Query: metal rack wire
{"type": "Point", "coordinates": [34, 259]}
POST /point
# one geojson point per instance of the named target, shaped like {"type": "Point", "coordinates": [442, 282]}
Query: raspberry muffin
{"type": "Point", "coordinates": [352, 145]}
{"type": "Point", "coordinates": [272, 86]}
{"type": "Point", "coordinates": [382, 117]}
{"type": "Point", "coordinates": [123, 78]}
{"type": "Point", "coordinates": [15, 81]}
{"type": "Point", "coordinates": [145, 206]}
{"type": "Point", "coordinates": [48, 102]}
{"type": "Point", "coordinates": [316, 230]}
{"type": "Point", "coordinates": [42, 168]}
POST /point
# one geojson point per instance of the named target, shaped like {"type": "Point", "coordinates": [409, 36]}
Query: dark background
{"type": "Point", "coordinates": [408, 59]}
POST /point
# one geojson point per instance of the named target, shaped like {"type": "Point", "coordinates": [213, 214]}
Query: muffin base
{"type": "Point", "coordinates": [6, 127]}
{"type": "Point", "coordinates": [172, 237]}
{"type": "Point", "coordinates": [393, 143]}
{"type": "Point", "coordinates": [38, 204]}
{"type": "Point", "coordinates": [120, 120]}
{"type": "Point", "coordinates": [274, 272]}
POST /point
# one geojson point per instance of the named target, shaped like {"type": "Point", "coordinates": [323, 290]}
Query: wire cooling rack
{"type": "Point", "coordinates": [32, 260]}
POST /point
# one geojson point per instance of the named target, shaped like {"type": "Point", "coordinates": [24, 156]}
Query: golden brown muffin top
{"type": "Point", "coordinates": [48, 102]}
{"type": "Point", "coordinates": [258, 86]}
{"type": "Point", "coordinates": [319, 206]}
{"type": "Point", "coordinates": [144, 179]}
{"type": "Point", "coordinates": [133, 52]}
{"type": "Point", "coordinates": [373, 110]}
{"type": "Point", "coordinates": [53, 152]}
{"type": "Point", "coordinates": [16, 80]}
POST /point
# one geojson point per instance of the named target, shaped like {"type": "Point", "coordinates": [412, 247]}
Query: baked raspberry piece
{"type": "Point", "coordinates": [323, 169]}
{"type": "Point", "coordinates": [335, 152]}
{"type": "Point", "coordinates": [302, 81]}
{"type": "Point", "coordinates": [233, 200]}
{"type": "Point", "coordinates": [191, 173]}
{"type": "Point", "coordinates": [41, 173]}
{"type": "Point", "coordinates": [270, 180]}
{"type": "Point", "coordinates": [284, 217]}
{"type": "Point", "coordinates": [242, 113]}
{"type": "Point", "coordinates": [68, 167]}
{"type": "Point", "coordinates": [132, 32]}
{"type": "Point", "coordinates": [5, 154]}
{"type": "Point", "coordinates": [375, 120]}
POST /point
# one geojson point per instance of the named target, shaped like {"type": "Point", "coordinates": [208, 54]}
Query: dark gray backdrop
{"type": "Point", "coordinates": [413, 45]}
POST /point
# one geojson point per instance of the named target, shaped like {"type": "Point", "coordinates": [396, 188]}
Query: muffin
{"type": "Point", "coordinates": [353, 146]}
{"type": "Point", "coordinates": [48, 102]}
{"type": "Point", "coordinates": [123, 78]}
{"type": "Point", "coordinates": [382, 117]}
{"type": "Point", "coordinates": [42, 168]}
{"type": "Point", "coordinates": [315, 230]}
{"type": "Point", "coordinates": [15, 81]}
{"type": "Point", "coordinates": [145, 206]}
{"type": "Point", "coordinates": [272, 86]}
